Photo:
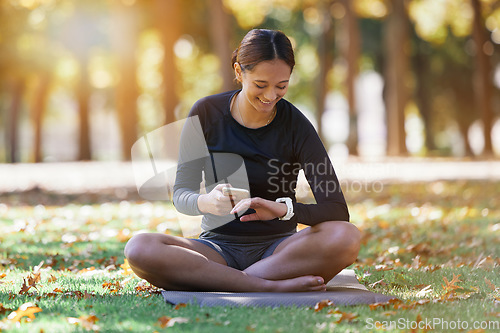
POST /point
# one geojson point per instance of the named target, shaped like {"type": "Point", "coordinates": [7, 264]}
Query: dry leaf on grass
{"type": "Point", "coordinates": [3, 309]}
{"type": "Point", "coordinates": [25, 310]}
{"type": "Point", "coordinates": [344, 316]}
{"type": "Point", "coordinates": [113, 287]}
{"type": "Point", "coordinates": [180, 305]}
{"type": "Point", "coordinates": [322, 304]}
{"type": "Point", "coordinates": [490, 284]}
{"type": "Point", "coordinates": [29, 282]}
{"type": "Point", "coordinates": [87, 322]}
{"type": "Point", "coordinates": [425, 291]}
{"type": "Point", "coordinates": [166, 321]}
{"type": "Point", "coordinates": [127, 270]}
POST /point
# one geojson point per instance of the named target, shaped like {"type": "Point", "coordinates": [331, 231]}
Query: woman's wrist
{"type": "Point", "coordinates": [282, 210]}
{"type": "Point", "coordinates": [201, 203]}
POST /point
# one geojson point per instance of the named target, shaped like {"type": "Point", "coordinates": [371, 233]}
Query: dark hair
{"type": "Point", "coordinates": [263, 45]}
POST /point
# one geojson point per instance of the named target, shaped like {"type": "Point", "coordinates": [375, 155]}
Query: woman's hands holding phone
{"type": "Point", "coordinates": [224, 200]}
{"type": "Point", "coordinates": [221, 200]}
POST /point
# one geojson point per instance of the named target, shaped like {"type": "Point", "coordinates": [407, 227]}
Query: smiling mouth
{"type": "Point", "coordinates": [264, 102]}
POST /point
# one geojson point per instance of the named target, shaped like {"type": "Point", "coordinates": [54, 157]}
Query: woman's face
{"type": "Point", "coordinates": [265, 84]}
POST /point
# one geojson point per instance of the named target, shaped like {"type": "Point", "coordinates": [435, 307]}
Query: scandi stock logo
{"type": "Point", "coordinates": [321, 178]}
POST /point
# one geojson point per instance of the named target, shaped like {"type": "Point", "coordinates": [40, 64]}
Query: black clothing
{"type": "Point", "coordinates": [273, 156]}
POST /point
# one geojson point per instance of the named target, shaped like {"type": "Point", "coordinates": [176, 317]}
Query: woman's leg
{"type": "Point", "coordinates": [176, 263]}
{"type": "Point", "coordinates": [324, 249]}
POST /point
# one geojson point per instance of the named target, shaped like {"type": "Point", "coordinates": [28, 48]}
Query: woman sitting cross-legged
{"type": "Point", "coordinates": [258, 248]}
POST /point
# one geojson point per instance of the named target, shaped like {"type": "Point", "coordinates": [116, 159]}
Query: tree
{"type": "Point", "coordinates": [79, 33]}
{"type": "Point", "coordinates": [396, 71]}
{"type": "Point", "coordinates": [325, 55]}
{"type": "Point", "coordinates": [483, 81]}
{"type": "Point", "coordinates": [12, 129]}
{"type": "Point", "coordinates": [14, 76]}
{"type": "Point", "coordinates": [220, 35]}
{"type": "Point", "coordinates": [169, 23]}
{"type": "Point", "coordinates": [423, 89]}
{"type": "Point", "coordinates": [124, 39]}
{"type": "Point", "coordinates": [38, 109]}
{"type": "Point", "coordinates": [351, 53]}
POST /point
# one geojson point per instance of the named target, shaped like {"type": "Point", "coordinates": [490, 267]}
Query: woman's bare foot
{"type": "Point", "coordinates": [301, 283]}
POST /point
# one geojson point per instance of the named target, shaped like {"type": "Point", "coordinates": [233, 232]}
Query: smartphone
{"type": "Point", "coordinates": [239, 193]}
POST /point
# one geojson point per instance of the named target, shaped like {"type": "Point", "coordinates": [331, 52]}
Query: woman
{"type": "Point", "coordinates": [259, 249]}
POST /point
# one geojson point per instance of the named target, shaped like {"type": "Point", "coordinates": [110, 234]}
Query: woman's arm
{"type": "Point", "coordinates": [318, 169]}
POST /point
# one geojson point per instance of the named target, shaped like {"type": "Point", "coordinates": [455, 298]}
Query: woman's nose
{"type": "Point", "coordinates": [270, 95]}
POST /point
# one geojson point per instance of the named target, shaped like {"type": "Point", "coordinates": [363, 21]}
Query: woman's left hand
{"type": "Point", "coordinates": [265, 210]}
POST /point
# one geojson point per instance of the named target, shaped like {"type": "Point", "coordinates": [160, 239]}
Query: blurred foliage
{"type": "Point", "coordinates": [38, 36]}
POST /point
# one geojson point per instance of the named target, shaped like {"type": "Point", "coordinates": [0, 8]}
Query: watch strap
{"type": "Point", "coordinates": [289, 206]}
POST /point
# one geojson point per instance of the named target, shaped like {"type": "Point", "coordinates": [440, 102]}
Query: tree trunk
{"type": "Point", "coordinates": [169, 24]}
{"type": "Point", "coordinates": [483, 79]}
{"type": "Point", "coordinates": [83, 96]}
{"type": "Point", "coordinates": [38, 112]}
{"type": "Point", "coordinates": [423, 96]}
{"type": "Point", "coordinates": [220, 35]}
{"type": "Point", "coordinates": [325, 54]}
{"type": "Point", "coordinates": [397, 50]}
{"type": "Point", "coordinates": [12, 128]}
{"type": "Point", "coordinates": [125, 38]}
{"type": "Point", "coordinates": [351, 31]}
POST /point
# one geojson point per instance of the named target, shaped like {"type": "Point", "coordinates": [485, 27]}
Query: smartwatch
{"type": "Point", "coordinates": [289, 208]}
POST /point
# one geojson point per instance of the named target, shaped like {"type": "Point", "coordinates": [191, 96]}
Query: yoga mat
{"type": "Point", "coordinates": [343, 289]}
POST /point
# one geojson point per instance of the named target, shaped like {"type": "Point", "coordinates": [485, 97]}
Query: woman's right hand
{"type": "Point", "coordinates": [215, 202]}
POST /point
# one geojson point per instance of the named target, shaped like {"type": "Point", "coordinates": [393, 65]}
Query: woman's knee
{"type": "Point", "coordinates": [138, 247]}
{"type": "Point", "coordinates": [341, 238]}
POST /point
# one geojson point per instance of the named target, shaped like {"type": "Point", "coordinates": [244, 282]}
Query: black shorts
{"type": "Point", "coordinates": [242, 251]}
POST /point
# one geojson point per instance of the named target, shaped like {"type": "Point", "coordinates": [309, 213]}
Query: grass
{"type": "Point", "coordinates": [417, 238]}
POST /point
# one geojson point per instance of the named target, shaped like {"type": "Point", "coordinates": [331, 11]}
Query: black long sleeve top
{"type": "Point", "coordinates": [271, 157]}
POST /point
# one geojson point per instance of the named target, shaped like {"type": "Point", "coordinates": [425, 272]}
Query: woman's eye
{"type": "Point", "coordinates": [260, 87]}
{"type": "Point", "coordinates": [282, 88]}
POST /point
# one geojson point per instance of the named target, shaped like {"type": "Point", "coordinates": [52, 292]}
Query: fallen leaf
{"type": "Point", "coordinates": [346, 316]}
{"type": "Point", "coordinates": [143, 286]}
{"type": "Point", "coordinates": [416, 264]}
{"type": "Point", "coordinates": [127, 270]}
{"type": "Point", "coordinates": [450, 287]}
{"type": "Point", "coordinates": [383, 268]}
{"type": "Point", "coordinates": [322, 304]}
{"type": "Point", "coordinates": [29, 282]}
{"type": "Point", "coordinates": [166, 321]}
{"type": "Point", "coordinates": [388, 313]}
{"type": "Point", "coordinates": [85, 270]}
{"type": "Point", "coordinates": [417, 320]}
{"type": "Point", "coordinates": [87, 322]}
{"type": "Point", "coordinates": [381, 282]}
{"type": "Point", "coordinates": [112, 286]}
{"type": "Point", "coordinates": [251, 328]}
{"type": "Point", "coordinates": [3, 309]}
{"type": "Point", "coordinates": [425, 291]}
{"type": "Point", "coordinates": [392, 301]}
{"type": "Point", "coordinates": [180, 305]}
{"type": "Point", "coordinates": [25, 310]}
{"type": "Point", "coordinates": [490, 284]}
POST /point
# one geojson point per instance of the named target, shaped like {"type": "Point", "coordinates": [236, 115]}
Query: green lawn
{"type": "Point", "coordinates": [62, 264]}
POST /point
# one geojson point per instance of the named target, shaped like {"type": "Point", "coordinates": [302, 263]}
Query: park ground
{"type": "Point", "coordinates": [430, 237]}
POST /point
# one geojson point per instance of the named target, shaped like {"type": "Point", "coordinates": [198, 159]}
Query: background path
{"type": "Point", "coordinates": [74, 177]}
